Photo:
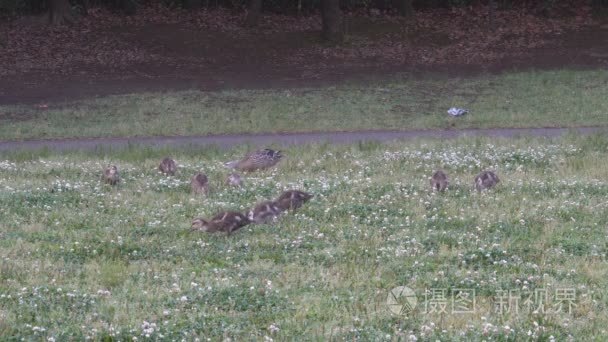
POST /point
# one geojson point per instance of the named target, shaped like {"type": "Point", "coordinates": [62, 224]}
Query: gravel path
{"type": "Point", "coordinates": [226, 141]}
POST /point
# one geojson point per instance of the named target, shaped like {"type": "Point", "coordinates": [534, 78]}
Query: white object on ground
{"type": "Point", "coordinates": [457, 111]}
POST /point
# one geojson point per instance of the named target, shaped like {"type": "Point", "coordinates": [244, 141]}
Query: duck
{"type": "Point", "coordinates": [256, 160]}
{"type": "Point", "coordinates": [110, 175]}
{"type": "Point", "coordinates": [199, 184]}
{"type": "Point", "coordinates": [486, 180]}
{"type": "Point", "coordinates": [168, 166]}
{"type": "Point", "coordinates": [292, 199]}
{"type": "Point", "coordinates": [264, 212]}
{"type": "Point", "coordinates": [224, 221]}
{"type": "Point", "coordinates": [234, 179]}
{"type": "Point", "coordinates": [439, 181]}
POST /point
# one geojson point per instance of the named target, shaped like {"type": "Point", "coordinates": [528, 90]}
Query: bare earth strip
{"type": "Point", "coordinates": [283, 139]}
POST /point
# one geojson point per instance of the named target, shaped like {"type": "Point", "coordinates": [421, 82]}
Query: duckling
{"type": "Point", "coordinates": [110, 175]}
{"type": "Point", "coordinates": [439, 181]}
{"type": "Point", "coordinates": [168, 166]}
{"type": "Point", "coordinates": [264, 212]}
{"type": "Point", "coordinates": [292, 199]}
{"type": "Point", "coordinates": [256, 160]}
{"type": "Point", "coordinates": [234, 179]}
{"type": "Point", "coordinates": [199, 184]}
{"type": "Point", "coordinates": [225, 221]}
{"type": "Point", "coordinates": [486, 180]}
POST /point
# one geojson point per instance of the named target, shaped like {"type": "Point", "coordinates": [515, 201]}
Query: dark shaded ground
{"type": "Point", "coordinates": [30, 88]}
{"type": "Point", "coordinates": [226, 141]}
{"type": "Point", "coordinates": [209, 51]}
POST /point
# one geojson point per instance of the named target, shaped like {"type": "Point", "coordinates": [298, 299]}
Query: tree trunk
{"type": "Point", "coordinates": [253, 13]}
{"type": "Point", "coordinates": [332, 21]}
{"type": "Point", "coordinates": [129, 7]}
{"type": "Point", "coordinates": [81, 8]}
{"type": "Point", "coordinates": [126, 7]}
{"type": "Point", "coordinates": [60, 12]}
{"type": "Point", "coordinates": [405, 7]}
{"type": "Point", "coordinates": [491, 11]}
{"type": "Point", "coordinates": [85, 7]}
{"type": "Point", "coordinates": [600, 8]}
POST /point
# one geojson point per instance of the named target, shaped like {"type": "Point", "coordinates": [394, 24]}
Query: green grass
{"type": "Point", "coordinates": [80, 259]}
{"type": "Point", "coordinates": [527, 99]}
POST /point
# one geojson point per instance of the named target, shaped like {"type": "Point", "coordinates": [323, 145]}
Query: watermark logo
{"type": "Point", "coordinates": [401, 300]}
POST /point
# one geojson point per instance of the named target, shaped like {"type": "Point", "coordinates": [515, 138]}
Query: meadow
{"type": "Point", "coordinates": [84, 260]}
{"type": "Point", "coordinates": [562, 98]}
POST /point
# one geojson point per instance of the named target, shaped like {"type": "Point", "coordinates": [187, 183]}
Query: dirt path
{"type": "Point", "coordinates": [227, 141]}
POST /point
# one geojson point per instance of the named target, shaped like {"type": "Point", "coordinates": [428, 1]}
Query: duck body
{"type": "Point", "coordinates": [439, 181]}
{"type": "Point", "coordinates": [111, 175]}
{"type": "Point", "coordinates": [292, 199]}
{"type": "Point", "coordinates": [199, 184]}
{"type": "Point", "coordinates": [168, 166]}
{"type": "Point", "coordinates": [257, 160]}
{"type": "Point", "coordinates": [265, 212]}
{"type": "Point", "coordinates": [225, 221]}
{"type": "Point", "coordinates": [486, 180]}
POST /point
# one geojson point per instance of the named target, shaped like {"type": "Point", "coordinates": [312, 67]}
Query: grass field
{"type": "Point", "coordinates": [85, 260]}
{"type": "Point", "coordinates": [526, 99]}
